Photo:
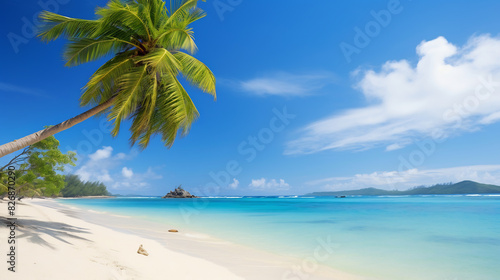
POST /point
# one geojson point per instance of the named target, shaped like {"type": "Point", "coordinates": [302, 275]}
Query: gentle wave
{"type": "Point", "coordinates": [221, 197]}
{"type": "Point", "coordinates": [136, 197]}
{"type": "Point", "coordinates": [482, 195]}
{"type": "Point", "coordinates": [97, 212]}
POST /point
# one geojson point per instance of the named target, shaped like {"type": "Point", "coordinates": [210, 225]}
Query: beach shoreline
{"type": "Point", "coordinates": [58, 241]}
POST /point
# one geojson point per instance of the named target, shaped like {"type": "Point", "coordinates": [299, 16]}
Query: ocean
{"type": "Point", "coordinates": [454, 237]}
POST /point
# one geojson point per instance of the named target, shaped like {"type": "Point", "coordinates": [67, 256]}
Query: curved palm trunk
{"type": "Point", "coordinates": [26, 141]}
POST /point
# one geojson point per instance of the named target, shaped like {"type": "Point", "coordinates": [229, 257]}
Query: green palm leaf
{"type": "Point", "coordinates": [162, 61]}
{"type": "Point", "coordinates": [178, 39]}
{"type": "Point", "coordinates": [118, 14]}
{"type": "Point", "coordinates": [184, 109]}
{"type": "Point", "coordinates": [86, 50]}
{"type": "Point", "coordinates": [180, 10]}
{"type": "Point", "coordinates": [196, 72]}
{"type": "Point", "coordinates": [55, 25]}
{"type": "Point", "coordinates": [131, 91]}
{"type": "Point", "coordinates": [144, 114]}
{"type": "Point", "coordinates": [103, 83]}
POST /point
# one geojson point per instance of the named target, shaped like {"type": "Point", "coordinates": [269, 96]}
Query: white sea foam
{"type": "Point", "coordinates": [223, 197]}
{"type": "Point", "coordinates": [482, 195]}
{"type": "Point", "coordinates": [197, 235]}
{"type": "Point", "coordinates": [142, 197]}
{"type": "Point", "coordinates": [120, 216]}
{"type": "Point", "coordinates": [97, 212]}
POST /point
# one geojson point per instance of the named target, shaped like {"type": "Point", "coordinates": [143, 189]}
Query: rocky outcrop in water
{"type": "Point", "coordinates": [179, 192]}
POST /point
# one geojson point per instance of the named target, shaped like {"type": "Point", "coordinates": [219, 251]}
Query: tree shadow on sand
{"type": "Point", "coordinates": [32, 230]}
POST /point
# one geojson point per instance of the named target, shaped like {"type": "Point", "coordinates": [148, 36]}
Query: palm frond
{"type": "Point", "coordinates": [131, 91]}
{"type": "Point", "coordinates": [121, 34]}
{"type": "Point", "coordinates": [177, 39]}
{"type": "Point", "coordinates": [194, 15]}
{"type": "Point", "coordinates": [158, 13]}
{"type": "Point", "coordinates": [124, 16]}
{"type": "Point", "coordinates": [86, 50]}
{"type": "Point", "coordinates": [161, 60]}
{"type": "Point", "coordinates": [144, 12]}
{"type": "Point", "coordinates": [145, 113]}
{"type": "Point", "coordinates": [184, 108]}
{"type": "Point", "coordinates": [180, 9]}
{"type": "Point", "coordinates": [103, 83]}
{"type": "Point", "coordinates": [174, 111]}
{"type": "Point", "coordinates": [55, 25]}
{"type": "Point", "coordinates": [197, 73]}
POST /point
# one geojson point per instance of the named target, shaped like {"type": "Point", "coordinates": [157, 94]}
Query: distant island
{"type": "Point", "coordinates": [464, 187]}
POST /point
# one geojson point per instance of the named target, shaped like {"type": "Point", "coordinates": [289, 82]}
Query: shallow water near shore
{"type": "Point", "coordinates": [402, 237]}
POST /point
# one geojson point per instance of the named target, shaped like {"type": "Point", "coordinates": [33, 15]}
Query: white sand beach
{"type": "Point", "coordinates": [54, 241]}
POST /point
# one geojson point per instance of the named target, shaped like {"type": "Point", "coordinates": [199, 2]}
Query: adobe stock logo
{"type": "Point", "coordinates": [29, 27]}
{"type": "Point", "coordinates": [363, 36]}
{"type": "Point", "coordinates": [223, 6]}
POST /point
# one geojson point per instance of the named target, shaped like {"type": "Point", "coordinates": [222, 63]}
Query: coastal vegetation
{"type": "Point", "coordinates": [38, 173]}
{"type": "Point", "coordinates": [151, 47]}
{"type": "Point", "coordinates": [37, 169]}
{"type": "Point", "coordinates": [74, 187]}
{"type": "Point", "coordinates": [464, 187]}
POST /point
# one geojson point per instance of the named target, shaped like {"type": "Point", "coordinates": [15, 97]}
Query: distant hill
{"type": "Point", "coordinates": [464, 187]}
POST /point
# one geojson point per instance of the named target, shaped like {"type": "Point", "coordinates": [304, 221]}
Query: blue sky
{"type": "Point", "coordinates": [325, 96]}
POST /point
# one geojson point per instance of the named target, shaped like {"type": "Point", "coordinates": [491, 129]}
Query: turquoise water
{"type": "Point", "coordinates": [410, 237]}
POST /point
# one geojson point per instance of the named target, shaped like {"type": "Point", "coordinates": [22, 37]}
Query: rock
{"type": "Point", "coordinates": [179, 192]}
{"type": "Point", "coordinates": [173, 230]}
{"type": "Point", "coordinates": [142, 251]}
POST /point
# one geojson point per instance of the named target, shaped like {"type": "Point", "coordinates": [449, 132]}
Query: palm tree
{"type": "Point", "coordinates": [151, 47]}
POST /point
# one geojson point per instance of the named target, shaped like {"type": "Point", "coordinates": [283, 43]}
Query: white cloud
{"type": "Point", "coordinates": [450, 90]}
{"type": "Point", "coordinates": [286, 84]}
{"type": "Point", "coordinates": [108, 168]}
{"type": "Point", "coordinates": [83, 173]}
{"type": "Point", "coordinates": [127, 172]}
{"type": "Point", "coordinates": [103, 153]}
{"type": "Point", "coordinates": [104, 177]}
{"type": "Point", "coordinates": [121, 156]}
{"type": "Point", "coordinates": [96, 167]}
{"type": "Point", "coordinates": [390, 180]}
{"type": "Point", "coordinates": [264, 184]}
{"type": "Point", "coordinates": [234, 184]}
{"type": "Point", "coordinates": [393, 147]}
{"type": "Point", "coordinates": [137, 181]}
